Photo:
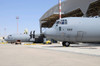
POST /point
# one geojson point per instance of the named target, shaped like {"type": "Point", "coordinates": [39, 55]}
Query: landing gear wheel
{"type": "Point", "coordinates": [15, 43]}
{"type": "Point", "coordinates": [67, 44]}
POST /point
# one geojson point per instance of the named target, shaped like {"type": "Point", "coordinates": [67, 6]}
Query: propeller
{"type": "Point", "coordinates": [30, 34]}
{"type": "Point", "coordinates": [33, 34]}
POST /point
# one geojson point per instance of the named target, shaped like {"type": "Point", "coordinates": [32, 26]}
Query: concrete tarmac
{"type": "Point", "coordinates": [88, 49]}
{"type": "Point", "coordinates": [23, 55]}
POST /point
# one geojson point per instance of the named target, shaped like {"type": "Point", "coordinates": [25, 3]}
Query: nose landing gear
{"type": "Point", "coordinates": [66, 44]}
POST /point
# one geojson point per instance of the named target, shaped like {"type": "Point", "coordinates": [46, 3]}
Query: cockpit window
{"type": "Point", "coordinates": [57, 22]}
{"type": "Point", "coordinates": [10, 35]}
{"type": "Point", "coordinates": [64, 21]}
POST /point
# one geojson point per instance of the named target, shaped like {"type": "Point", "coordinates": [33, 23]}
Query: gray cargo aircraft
{"type": "Point", "coordinates": [18, 38]}
{"type": "Point", "coordinates": [75, 30]}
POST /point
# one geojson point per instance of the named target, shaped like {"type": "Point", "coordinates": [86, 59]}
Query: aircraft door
{"type": "Point", "coordinates": [79, 36]}
{"type": "Point", "coordinates": [67, 37]}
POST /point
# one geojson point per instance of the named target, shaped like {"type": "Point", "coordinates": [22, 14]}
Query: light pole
{"type": "Point", "coordinates": [17, 18]}
{"type": "Point", "coordinates": [5, 32]}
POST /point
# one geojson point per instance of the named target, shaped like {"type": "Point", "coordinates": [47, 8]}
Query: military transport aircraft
{"type": "Point", "coordinates": [18, 38]}
{"type": "Point", "coordinates": [75, 29]}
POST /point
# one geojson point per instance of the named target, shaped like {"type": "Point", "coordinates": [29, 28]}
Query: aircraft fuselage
{"type": "Point", "coordinates": [75, 29]}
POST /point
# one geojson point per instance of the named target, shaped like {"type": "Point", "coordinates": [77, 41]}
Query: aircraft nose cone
{"type": "Point", "coordinates": [5, 39]}
{"type": "Point", "coordinates": [48, 32]}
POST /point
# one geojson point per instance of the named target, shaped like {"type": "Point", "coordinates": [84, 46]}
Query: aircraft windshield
{"type": "Point", "coordinates": [64, 21]}
{"type": "Point", "coordinates": [61, 22]}
{"type": "Point", "coordinates": [9, 36]}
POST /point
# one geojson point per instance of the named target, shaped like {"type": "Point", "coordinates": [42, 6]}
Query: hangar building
{"type": "Point", "coordinates": [70, 8]}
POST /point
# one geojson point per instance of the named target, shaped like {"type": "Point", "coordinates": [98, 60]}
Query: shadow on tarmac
{"type": "Point", "coordinates": [86, 45]}
{"type": "Point", "coordinates": [77, 45]}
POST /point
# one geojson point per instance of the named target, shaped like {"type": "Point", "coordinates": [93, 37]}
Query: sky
{"type": "Point", "coordinates": [29, 12]}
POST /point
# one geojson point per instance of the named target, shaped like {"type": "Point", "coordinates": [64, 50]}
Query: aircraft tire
{"type": "Point", "coordinates": [67, 44]}
{"type": "Point", "coordinates": [15, 43]}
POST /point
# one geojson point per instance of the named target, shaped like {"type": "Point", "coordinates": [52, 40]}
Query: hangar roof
{"type": "Point", "coordinates": [69, 8]}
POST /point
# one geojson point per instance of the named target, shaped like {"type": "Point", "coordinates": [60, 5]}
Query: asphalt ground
{"type": "Point", "coordinates": [47, 55]}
